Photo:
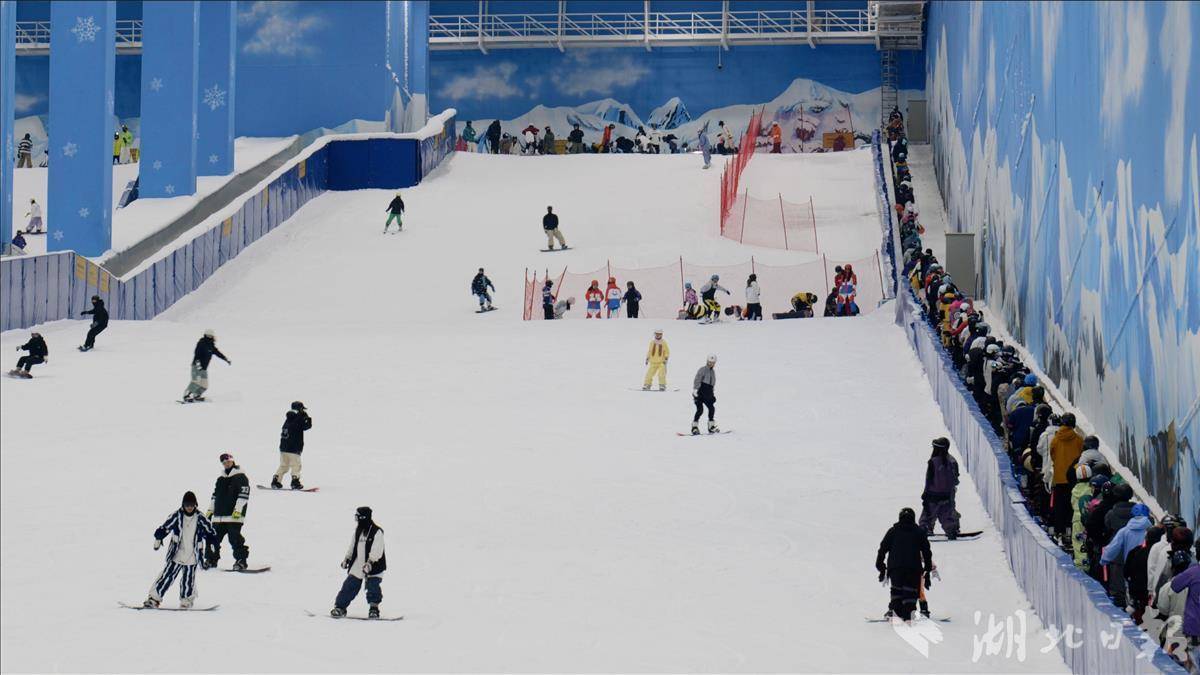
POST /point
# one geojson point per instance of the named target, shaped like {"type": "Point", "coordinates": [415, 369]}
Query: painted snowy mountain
{"type": "Point", "coordinates": [611, 111]}
{"type": "Point", "coordinates": [562, 119]}
{"type": "Point", "coordinates": [670, 115]}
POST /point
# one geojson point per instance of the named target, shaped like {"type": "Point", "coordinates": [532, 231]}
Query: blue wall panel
{"type": "Point", "coordinates": [348, 164]}
{"type": "Point", "coordinates": [8, 76]}
{"type": "Point", "coordinates": [41, 293]}
{"type": "Point", "coordinates": [169, 73]}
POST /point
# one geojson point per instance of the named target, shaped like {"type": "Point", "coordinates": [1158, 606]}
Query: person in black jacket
{"type": "Point", "coordinates": [99, 322]}
{"type": "Point", "coordinates": [395, 211]}
{"type": "Point", "coordinates": [908, 559]}
{"type": "Point", "coordinates": [479, 288]}
{"type": "Point", "coordinates": [633, 300]}
{"type": "Point", "coordinates": [206, 348]}
{"type": "Point", "coordinates": [227, 511]}
{"type": "Point", "coordinates": [575, 139]}
{"type": "Point", "coordinates": [366, 560]}
{"type": "Point", "coordinates": [550, 225]}
{"type": "Point", "coordinates": [38, 351]}
{"type": "Point", "coordinates": [493, 137]}
{"type": "Point", "coordinates": [291, 444]}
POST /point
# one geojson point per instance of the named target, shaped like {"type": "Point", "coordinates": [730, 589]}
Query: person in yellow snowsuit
{"type": "Point", "coordinates": [656, 359]}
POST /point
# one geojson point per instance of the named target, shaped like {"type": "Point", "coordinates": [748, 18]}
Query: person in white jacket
{"type": "Point", "coordinates": [753, 306]}
{"type": "Point", "coordinates": [35, 225]}
{"type": "Point", "coordinates": [1043, 449]}
{"type": "Point", "coordinates": [365, 560]}
{"type": "Point", "coordinates": [1159, 557]}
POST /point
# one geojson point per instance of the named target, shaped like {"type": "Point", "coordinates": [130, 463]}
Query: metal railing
{"type": "Point", "coordinates": [33, 37]}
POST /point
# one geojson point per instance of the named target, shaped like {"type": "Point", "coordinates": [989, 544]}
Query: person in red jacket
{"type": "Point", "coordinates": [595, 300]}
{"type": "Point", "coordinates": [606, 140]}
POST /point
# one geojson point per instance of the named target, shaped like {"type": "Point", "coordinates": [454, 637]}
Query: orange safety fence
{"type": "Point", "coordinates": [773, 223]}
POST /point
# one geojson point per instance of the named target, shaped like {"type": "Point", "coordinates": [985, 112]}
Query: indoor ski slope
{"type": "Point", "coordinates": [541, 514]}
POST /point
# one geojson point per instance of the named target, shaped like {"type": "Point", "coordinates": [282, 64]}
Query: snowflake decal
{"type": "Point", "coordinates": [156, 84]}
{"type": "Point", "coordinates": [214, 97]}
{"type": "Point", "coordinates": [70, 149]}
{"type": "Point", "coordinates": [213, 159]}
{"type": "Point", "coordinates": [169, 189]}
{"type": "Point", "coordinates": [85, 30]}
{"type": "Point", "coordinates": [84, 212]}
{"type": "Point", "coordinates": [157, 164]}
{"type": "Point", "coordinates": [58, 235]}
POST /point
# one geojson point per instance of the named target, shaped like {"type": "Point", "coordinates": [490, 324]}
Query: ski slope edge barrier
{"type": "Point", "coordinates": [39, 288]}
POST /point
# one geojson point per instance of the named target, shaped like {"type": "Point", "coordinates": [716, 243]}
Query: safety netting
{"type": "Point", "coordinates": [773, 223]}
{"type": "Point", "coordinates": [731, 176]}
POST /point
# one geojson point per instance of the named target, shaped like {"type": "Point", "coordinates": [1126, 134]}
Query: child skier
{"type": "Point", "coordinates": [908, 558]}
{"type": "Point", "coordinates": [38, 351]}
{"type": "Point", "coordinates": [365, 560]}
{"type": "Point", "coordinates": [99, 323]}
{"type": "Point", "coordinates": [846, 306]}
{"type": "Point", "coordinates": [656, 358]}
{"type": "Point", "coordinates": [395, 211]}
{"type": "Point", "coordinates": [190, 532]}
{"type": "Point", "coordinates": [230, 499]}
{"type": "Point", "coordinates": [548, 301]}
{"type": "Point", "coordinates": [941, 482]}
{"type": "Point", "coordinates": [612, 296]}
{"type": "Point", "coordinates": [206, 348]}
{"type": "Point", "coordinates": [704, 387]}
{"type": "Point", "coordinates": [479, 288]}
{"type": "Point", "coordinates": [708, 293]}
{"type": "Point", "coordinates": [633, 300]}
{"type": "Point", "coordinates": [690, 302]}
{"type": "Point", "coordinates": [291, 444]}
{"type": "Point", "coordinates": [594, 298]}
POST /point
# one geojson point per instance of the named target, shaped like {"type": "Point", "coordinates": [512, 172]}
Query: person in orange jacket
{"type": "Point", "coordinates": [776, 138]}
{"type": "Point", "coordinates": [595, 300]}
{"type": "Point", "coordinates": [1065, 448]}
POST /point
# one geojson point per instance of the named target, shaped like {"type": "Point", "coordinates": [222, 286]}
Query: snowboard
{"type": "Point", "coordinates": [249, 570]}
{"type": "Point", "coordinates": [34, 233]}
{"type": "Point", "coordinates": [555, 250]}
{"type": "Point", "coordinates": [705, 433]}
{"type": "Point", "coordinates": [19, 375]}
{"type": "Point", "coordinates": [939, 619]}
{"type": "Point", "coordinates": [485, 311]}
{"type": "Point", "coordinates": [170, 609]}
{"type": "Point", "coordinates": [961, 535]}
{"type": "Point", "coordinates": [84, 349]}
{"type": "Point", "coordinates": [195, 400]}
{"type": "Point", "coordinates": [356, 618]}
{"type": "Point", "coordinates": [286, 489]}
{"type": "Point", "coordinates": [390, 232]}
{"type": "Point", "coordinates": [654, 389]}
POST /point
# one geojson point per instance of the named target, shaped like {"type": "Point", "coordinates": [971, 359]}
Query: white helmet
{"type": "Point", "coordinates": [712, 358]}
{"type": "Point", "coordinates": [210, 334]}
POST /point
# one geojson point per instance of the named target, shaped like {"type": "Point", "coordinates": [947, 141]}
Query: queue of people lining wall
{"type": "Point", "coordinates": [1148, 567]}
{"type": "Point", "coordinates": [543, 141]}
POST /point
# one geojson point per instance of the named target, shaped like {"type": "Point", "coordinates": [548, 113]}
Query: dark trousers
{"type": "Point", "coordinates": [754, 311]}
{"type": "Point", "coordinates": [942, 511]}
{"type": "Point", "coordinates": [352, 585]}
{"type": "Point", "coordinates": [548, 312]}
{"type": "Point", "coordinates": [234, 531]}
{"type": "Point", "coordinates": [95, 330]}
{"type": "Point", "coordinates": [631, 310]}
{"type": "Point", "coordinates": [906, 589]}
{"type": "Point", "coordinates": [700, 405]}
{"type": "Point", "coordinates": [1062, 512]}
{"type": "Point", "coordinates": [27, 362]}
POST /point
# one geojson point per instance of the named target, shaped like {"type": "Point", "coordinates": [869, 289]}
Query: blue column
{"type": "Point", "coordinates": [82, 65]}
{"type": "Point", "coordinates": [170, 37]}
{"type": "Point", "coordinates": [214, 119]}
{"type": "Point", "coordinates": [408, 64]}
{"type": "Point", "coordinates": [8, 58]}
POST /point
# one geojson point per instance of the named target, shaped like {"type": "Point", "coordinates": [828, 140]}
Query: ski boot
{"type": "Point", "coordinates": [712, 427]}
{"type": "Point", "coordinates": [695, 428]}
{"type": "Point", "coordinates": [296, 484]}
{"type": "Point", "coordinates": [337, 612]}
{"type": "Point", "coordinates": [373, 612]}
{"type": "Point", "coordinates": [661, 387]}
{"type": "Point", "coordinates": [185, 603]}
{"type": "Point", "coordinates": [26, 374]}
{"type": "Point", "coordinates": [275, 484]}
{"type": "Point", "coordinates": [645, 387]}
{"type": "Point", "coordinates": [150, 603]}
{"type": "Point", "coordinates": [240, 565]}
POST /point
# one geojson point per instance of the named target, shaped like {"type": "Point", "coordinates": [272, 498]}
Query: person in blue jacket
{"type": "Point", "coordinates": [479, 288]}
{"type": "Point", "coordinates": [548, 300]}
{"type": "Point", "coordinates": [1125, 540]}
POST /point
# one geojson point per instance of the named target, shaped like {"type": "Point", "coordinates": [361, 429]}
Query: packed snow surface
{"type": "Point", "coordinates": [541, 514]}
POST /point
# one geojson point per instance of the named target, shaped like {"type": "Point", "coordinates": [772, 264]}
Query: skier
{"type": "Point", "coordinates": [941, 482]}
{"type": "Point", "coordinates": [365, 560]}
{"type": "Point", "coordinates": [704, 395]}
{"type": "Point", "coordinates": [190, 532]}
{"type": "Point", "coordinates": [548, 300]}
{"type": "Point", "coordinates": [99, 323]}
{"type": "Point", "coordinates": [230, 499]}
{"type": "Point", "coordinates": [846, 306]}
{"type": "Point", "coordinates": [206, 348]}
{"type": "Point", "coordinates": [291, 444]}
{"type": "Point", "coordinates": [612, 295]}
{"type": "Point", "coordinates": [550, 225]}
{"type": "Point", "coordinates": [753, 306]}
{"type": "Point", "coordinates": [908, 558]}
{"type": "Point", "coordinates": [35, 224]}
{"type": "Point", "coordinates": [479, 288]}
{"type": "Point", "coordinates": [594, 298]}
{"type": "Point", "coordinates": [395, 211]}
{"type": "Point", "coordinates": [633, 300]}
{"type": "Point", "coordinates": [656, 358]}
{"type": "Point", "coordinates": [708, 293]}
{"type": "Point", "coordinates": [705, 146]}
{"type": "Point", "coordinates": [38, 351]}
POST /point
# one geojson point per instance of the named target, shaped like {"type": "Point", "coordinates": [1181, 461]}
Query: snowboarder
{"type": "Point", "coordinates": [395, 211]}
{"type": "Point", "coordinates": [190, 533]}
{"type": "Point", "coordinates": [612, 296]}
{"type": "Point", "coordinates": [908, 558]}
{"type": "Point", "coordinates": [575, 140]}
{"type": "Point", "coordinates": [704, 395]}
{"type": "Point", "coordinates": [562, 307]}
{"type": "Point", "coordinates": [633, 300]}
{"type": "Point", "coordinates": [35, 224]}
{"type": "Point", "coordinates": [18, 244]}
{"type": "Point", "coordinates": [550, 225]}
{"type": "Point", "coordinates": [941, 483]}
{"type": "Point", "coordinates": [479, 288]}
{"type": "Point", "coordinates": [691, 303]}
{"type": "Point", "coordinates": [594, 298]}
{"type": "Point", "coordinates": [25, 152]}
{"type": "Point", "coordinates": [230, 499]}
{"type": "Point", "coordinates": [708, 293]}
{"type": "Point", "coordinates": [291, 444]}
{"type": "Point", "coordinates": [365, 560]}
{"type": "Point", "coordinates": [548, 300]}
{"type": "Point", "coordinates": [99, 323]}
{"type": "Point", "coordinates": [656, 359]}
{"type": "Point", "coordinates": [753, 293]}
{"type": "Point", "coordinates": [206, 348]}
{"type": "Point", "coordinates": [38, 351]}
{"type": "Point", "coordinates": [705, 146]}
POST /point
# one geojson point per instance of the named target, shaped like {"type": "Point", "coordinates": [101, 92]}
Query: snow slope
{"type": "Point", "coordinates": [539, 515]}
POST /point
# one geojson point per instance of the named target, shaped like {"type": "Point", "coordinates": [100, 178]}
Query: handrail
{"type": "Point", "coordinates": [34, 36]}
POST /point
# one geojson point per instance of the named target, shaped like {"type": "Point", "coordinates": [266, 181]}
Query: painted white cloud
{"type": "Point", "coordinates": [1175, 48]}
{"type": "Point", "coordinates": [583, 75]}
{"type": "Point", "coordinates": [23, 103]}
{"type": "Point", "coordinates": [970, 62]}
{"type": "Point", "coordinates": [1048, 16]}
{"type": "Point", "coordinates": [279, 28]}
{"type": "Point", "coordinates": [1125, 43]}
{"type": "Point", "coordinates": [485, 82]}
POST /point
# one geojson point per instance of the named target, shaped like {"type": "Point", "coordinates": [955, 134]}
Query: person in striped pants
{"type": "Point", "coordinates": [190, 531]}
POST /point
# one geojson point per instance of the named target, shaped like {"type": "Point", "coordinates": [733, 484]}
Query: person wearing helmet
{"type": "Point", "coordinates": [594, 297]}
{"type": "Point", "coordinates": [704, 387]}
{"type": "Point", "coordinates": [1081, 494]}
{"type": "Point", "coordinates": [38, 353]}
{"type": "Point", "coordinates": [291, 444]}
{"type": "Point", "coordinates": [708, 293]}
{"type": "Point", "coordinates": [206, 348]}
{"type": "Point", "coordinates": [562, 307]}
{"type": "Point", "coordinates": [548, 300]}
{"type": "Point", "coordinates": [395, 211]}
{"type": "Point", "coordinates": [99, 316]}
{"type": "Point", "coordinates": [1065, 449]}
{"type": "Point", "coordinates": [691, 303]}
{"type": "Point", "coordinates": [904, 557]}
{"type": "Point", "coordinates": [479, 288]}
{"type": "Point", "coordinates": [941, 484]}
{"type": "Point", "coordinates": [656, 359]}
{"type": "Point", "coordinates": [364, 561]}
{"type": "Point", "coordinates": [1158, 557]}
{"type": "Point", "coordinates": [612, 298]}
{"type": "Point", "coordinates": [230, 501]}
{"type": "Point", "coordinates": [190, 534]}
